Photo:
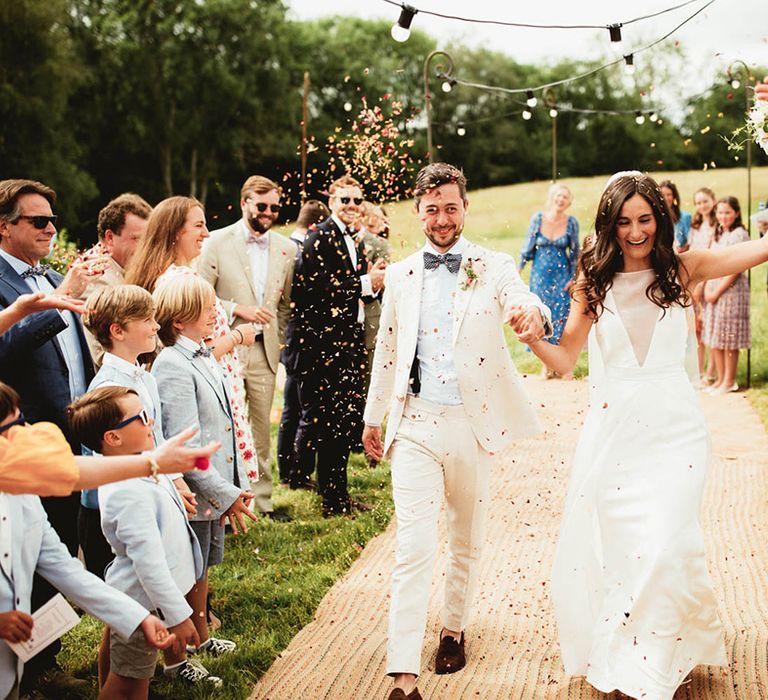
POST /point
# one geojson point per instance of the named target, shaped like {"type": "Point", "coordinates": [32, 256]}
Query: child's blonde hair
{"type": "Point", "coordinates": [182, 299]}
{"type": "Point", "coordinates": [126, 302]}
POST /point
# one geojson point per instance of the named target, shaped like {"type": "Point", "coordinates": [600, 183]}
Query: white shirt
{"type": "Point", "coordinates": [299, 235]}
{"type": "Point", "coordinates": [434, 347]}
{"type": "Point", "coordinates": [365, 280]}
{"type": "Point", "coordinates": [6, 541]}
{"type": "Point", "coordinates": [258, 258]}
{"type": "Point", "coordinates": [69, 341]}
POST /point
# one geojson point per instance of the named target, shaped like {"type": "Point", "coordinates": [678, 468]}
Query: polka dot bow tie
{"type": "Point", "coordinates": [35, 271]}
{"type": "Point", "coordinates": [203, 352]}
{"type": "Point", "coordinates": [451, 260]}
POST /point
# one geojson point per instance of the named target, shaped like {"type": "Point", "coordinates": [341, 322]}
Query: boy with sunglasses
{"type": "Point", "coordinates": [157, 555]}
{"type": "Point", "coordinates": [251, 269]}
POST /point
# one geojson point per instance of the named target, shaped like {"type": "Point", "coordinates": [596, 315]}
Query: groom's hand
{"type": "Point", "coordinates": [372, 442]}
{"type": "Point", "coordinates": [527, 323]}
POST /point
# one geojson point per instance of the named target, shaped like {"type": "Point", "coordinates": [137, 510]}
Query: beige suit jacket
{"type": "Point", "coordinates": [496, 403]}
{"type": "Point", "coordinates": [225, 264]}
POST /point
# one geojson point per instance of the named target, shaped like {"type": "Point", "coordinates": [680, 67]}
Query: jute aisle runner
{"type": "Point", "coordinates": [511, 641]}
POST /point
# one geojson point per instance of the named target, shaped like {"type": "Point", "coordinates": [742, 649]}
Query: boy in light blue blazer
{"type": "Point", "coordinates": [194, 392]}
{"type": "Point", "coordinates": [157, 556]}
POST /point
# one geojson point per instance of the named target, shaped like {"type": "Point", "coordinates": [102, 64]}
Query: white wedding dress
{"type": "Point", "coordinates": [633, 599]}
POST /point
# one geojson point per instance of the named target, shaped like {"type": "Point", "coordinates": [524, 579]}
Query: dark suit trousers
{"type": "Point", "coordinates": [289, 423]}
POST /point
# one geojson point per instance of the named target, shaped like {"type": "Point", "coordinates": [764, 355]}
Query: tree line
{"type": "Point", "coordinates": [164, 97]}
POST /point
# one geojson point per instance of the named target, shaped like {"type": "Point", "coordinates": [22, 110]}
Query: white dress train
{"type": "Point", "coordinates": [632, 595]}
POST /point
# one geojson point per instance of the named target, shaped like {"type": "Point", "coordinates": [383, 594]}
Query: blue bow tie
{"type": "Point", "coordinates": [203, 352]}
{"type": "Point", "coordinates": [35, 271]}
{"type": "Point", "coordinates": [451, 260]}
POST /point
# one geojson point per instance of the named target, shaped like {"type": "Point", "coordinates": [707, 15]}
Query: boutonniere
{"type": "Point", "coordinates": [473, 270]}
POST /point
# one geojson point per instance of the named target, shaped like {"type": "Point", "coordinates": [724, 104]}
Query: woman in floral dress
{"type": "Point", "coordinates": [174, 238]}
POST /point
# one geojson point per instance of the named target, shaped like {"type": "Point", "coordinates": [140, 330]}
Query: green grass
{"type": "Point", "coordinates": [272, 579]}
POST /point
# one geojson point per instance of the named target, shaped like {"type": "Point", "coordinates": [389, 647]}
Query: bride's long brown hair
{"type": "Point", "coordinates": [601, 258]}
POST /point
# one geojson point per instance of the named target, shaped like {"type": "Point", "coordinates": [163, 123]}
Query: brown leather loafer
{"type": "Point", "coordinates": [399, 694]}
{"type": "Point", "coordinates": [450, 655]}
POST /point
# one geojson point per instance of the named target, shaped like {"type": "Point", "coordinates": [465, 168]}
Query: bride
{"type": "Point", "coordinates": [632, 596]}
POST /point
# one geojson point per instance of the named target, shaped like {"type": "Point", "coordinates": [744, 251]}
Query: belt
{"type": "Point", "coordinates": [259, 338]}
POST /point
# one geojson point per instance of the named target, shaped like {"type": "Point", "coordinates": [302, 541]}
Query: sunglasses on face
{"type": "Point", "coordinates": [142, 415]}
{"type": "Point", "coordinates": [356, 200]}
{"type": "Point", "coordinates": [19, 421]}
{"type": "Point", "coordinates": [40, 222]}
{"type": "Point", "coordinates": [262, 207]}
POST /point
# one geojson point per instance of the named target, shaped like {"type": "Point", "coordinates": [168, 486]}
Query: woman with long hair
{"type": "Point", "coordinates": [680, 219]}
{"type": "Point", "coordinates": [702, 230]}
{"type": "Point", "coordinates": [174, 239]}
{"type": "Point", "coordinates": [632, 595]}
{"type": "Point", "coordinates": [552, 246]}
{"type": "Point", "coordinates": [726, 320]}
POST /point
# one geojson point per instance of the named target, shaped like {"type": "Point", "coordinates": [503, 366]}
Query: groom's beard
{"type": "Point", "coordinates": [444, 242]}
{"type": "Point", "coordinates": [259, 225]}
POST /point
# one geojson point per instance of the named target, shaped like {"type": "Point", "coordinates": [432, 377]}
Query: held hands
{"type": "Point", "coordinates": [372, 442]}
{"type": "Point", "coordinates": [761, 90]}
{"type": "Point", "coordinates": [527, 323]}
{"type": "Point", "coordinates": [15, 626]}
{"type": "Point", "coordinates": [172, 456]}
{"type": "Point", "coordinates": [156, 633]}
{"type": "Point", "coordinates": [185, 634]}
{"type": "Point", "coordinates": [81, 274]}
{"type": "Point", "coordinates": [236, 512]}
{"type": "Point", "coordinates": [376, 273]}
{"type": "Point", "coordinates": [253, 314]}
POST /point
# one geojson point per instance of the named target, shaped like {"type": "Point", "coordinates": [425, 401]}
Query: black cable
{"type": "Point", "coordinates": [539, 26]}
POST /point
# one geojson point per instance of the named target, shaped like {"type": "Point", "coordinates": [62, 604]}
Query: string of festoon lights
{"type": "Point", "coordinates": [628, 60]}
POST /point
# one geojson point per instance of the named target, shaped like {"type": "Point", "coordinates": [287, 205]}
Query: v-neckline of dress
{"type": "Point", "coordinates": [628, 339]}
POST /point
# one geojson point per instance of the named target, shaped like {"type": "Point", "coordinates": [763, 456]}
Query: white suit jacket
{"type": "Point", "coordinates": [36, 548]}
{"type": "Point", "coordinates": [226, 265]}
{"type": "Point", "coordinates": [497, 405]}
{"type": "Point", "coordinates": [157, 555]}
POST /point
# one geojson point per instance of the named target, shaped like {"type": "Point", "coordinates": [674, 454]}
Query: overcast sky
{"type": "Point", "coordinates": [726, 30]}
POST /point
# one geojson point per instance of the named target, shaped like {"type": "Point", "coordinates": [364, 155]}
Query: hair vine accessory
{"type": "Point", "coordinates": [622, 173]}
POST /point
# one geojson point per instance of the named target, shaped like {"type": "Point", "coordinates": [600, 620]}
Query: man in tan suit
{"type": "Point", "coordinates": [251, 269]}
{"type": "Point", "coordinates": [121, 225]}
{"type": "Point", "coordinates": [443, 372]}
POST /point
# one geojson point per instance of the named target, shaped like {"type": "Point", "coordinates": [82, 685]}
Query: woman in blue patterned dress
{"type": "Point", "coordinates": [552, 246]}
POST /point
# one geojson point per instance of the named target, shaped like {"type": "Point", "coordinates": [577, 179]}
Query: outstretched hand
{"type": "Point", "coordinates": [28, 304]}
{"type": "Point", "coordinates": [527, 323]}
{"type": "Point", "coordinates": [172, 456]}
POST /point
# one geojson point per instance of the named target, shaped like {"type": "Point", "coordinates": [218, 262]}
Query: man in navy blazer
{"type": "Point", "coordinates": [45, 356]}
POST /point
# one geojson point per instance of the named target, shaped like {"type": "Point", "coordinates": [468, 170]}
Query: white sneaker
{"type": "Point", "coordinates": [214, 647]}
{"type": "Point", "coordinates": [722, 389]}
{"type": "Point", "coordinates": [192, 672]}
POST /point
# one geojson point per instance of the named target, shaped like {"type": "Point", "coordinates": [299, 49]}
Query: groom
{"type": "Point", "coordinates": [443, 370]}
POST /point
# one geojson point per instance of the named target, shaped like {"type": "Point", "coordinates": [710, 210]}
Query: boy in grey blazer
{"type": "Point", "coordinates": [193, 391]}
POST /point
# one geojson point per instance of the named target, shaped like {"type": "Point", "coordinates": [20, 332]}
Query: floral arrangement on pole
{"type": "Point", "coordinates": [375, 151]}
{"type": "Point", "coordinates": [755, 129]}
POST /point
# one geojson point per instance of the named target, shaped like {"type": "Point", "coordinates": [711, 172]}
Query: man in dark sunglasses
{"type": "Point", "coordinates": [44, 357]}
{"type": "Point", "coordinates": [251, 268]}
{"type": "Point", "coordinates": [332, 283]}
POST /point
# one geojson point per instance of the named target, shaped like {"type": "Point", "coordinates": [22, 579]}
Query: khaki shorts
{"type": "Point", "coordinates": [134, 658]}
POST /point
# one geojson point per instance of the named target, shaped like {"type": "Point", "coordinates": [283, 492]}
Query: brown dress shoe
{"type": "Point", "coordinates": [399, 694]}
{"type": "Point", "coordinates": [450, 655]}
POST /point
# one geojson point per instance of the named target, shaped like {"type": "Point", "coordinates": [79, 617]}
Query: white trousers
{"type": "Point", "coordinates": [434, 453]}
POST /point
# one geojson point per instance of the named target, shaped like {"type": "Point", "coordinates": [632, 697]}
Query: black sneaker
{"type": "Point", "coordinates": [214, 647]}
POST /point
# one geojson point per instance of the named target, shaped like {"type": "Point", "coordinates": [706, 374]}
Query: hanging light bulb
{"type": "Point", "coordinates": [448, 84]}
{"type": "Point", "coordinates": [401, 29]}
{"type": "Point", "coordinates": [527, 114]}
{"type": "Point", "coordinates": [629, 64]}
{"type": "Point", "coordinates": [461, 131]}
{"type": "Point", "coordinates": [614, 30]}
{"type": "Point", "coordinates": [639, 117]}
{"type": "Point", "coordinates": [735, 83]}
{"type": "Point", "coordinates": [553, 112]}
{"type": "Point", "coordinates": [530, 98]}
{"type": "Point", "coordinates": [347, 106]}
{"type": "Point", "coordinates": [654, 117]}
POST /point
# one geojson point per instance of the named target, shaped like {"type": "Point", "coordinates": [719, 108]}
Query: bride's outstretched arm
{"type": "Point", "coordinates": [703, 265]}
{"type": "Point", "coordinates": [562, 358]}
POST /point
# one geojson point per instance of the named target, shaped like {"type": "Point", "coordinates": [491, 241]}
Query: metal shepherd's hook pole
{"type": "Point", "coordinates": [445, 70]}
